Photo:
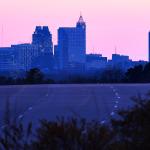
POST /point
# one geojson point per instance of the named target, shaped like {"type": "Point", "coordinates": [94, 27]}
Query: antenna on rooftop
{"type": "Point", "coordinates": [115, 49]}
{"type": "Point", "coordinates": [93, 50]}
{"type": "Point", "coordinates": [2, 36]}
{"type": "Point", "coordinates": [80, 13]}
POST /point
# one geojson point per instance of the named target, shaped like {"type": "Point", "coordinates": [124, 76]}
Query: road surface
{"type": "Point", "coordinates": [91, 101]}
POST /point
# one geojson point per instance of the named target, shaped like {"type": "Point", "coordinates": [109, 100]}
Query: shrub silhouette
{"type": "Point", "coordinates": [132, 130]}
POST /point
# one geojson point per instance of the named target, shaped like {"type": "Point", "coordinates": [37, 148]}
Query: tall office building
{"type": "Point", "coordinates": [43, 38]}
{"type": "Point", "coordinates": [24, 55]}
{"type": "Point", "coordinates": [71, 47]}
{"type": "Point", "coordinates": [149, 46]}
{"type": "Point", "coordinates": [7, 59]}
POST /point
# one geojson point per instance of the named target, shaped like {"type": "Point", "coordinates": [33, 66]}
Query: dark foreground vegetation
{"type": "Point", "coordinates": [138, 74]}
{"type": "Point", "coordinates": [130, 132]}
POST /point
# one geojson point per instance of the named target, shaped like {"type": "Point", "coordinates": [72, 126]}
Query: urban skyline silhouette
{"type": "Point", "coordinates": [112, 23]}
{"type": "Point", "coordinates": [69, 54]}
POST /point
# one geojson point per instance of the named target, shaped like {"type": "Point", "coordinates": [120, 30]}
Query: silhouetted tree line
{"type": "Point", "coordinates": [137, 74]}
{"type": "Point", "coordinates": [129, 132]}
{"type": "Point", "coordinates": [33, 76]}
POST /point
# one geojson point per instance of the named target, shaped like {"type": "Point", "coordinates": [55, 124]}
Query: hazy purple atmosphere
{"type": "Point", "coordinates": [121, 23]}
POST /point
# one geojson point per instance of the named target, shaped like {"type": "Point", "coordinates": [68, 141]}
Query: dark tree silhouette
{"type": "Point", "coordinates": [132, 129]}
{"type": "Point", "coordinates": [138, 74]}
{"type": "Point", "coordinates": [134, 74]}
{"type": "Point", "coordinates": [34, 76]}
{"type": "Point", "coordinates": [112, 75]}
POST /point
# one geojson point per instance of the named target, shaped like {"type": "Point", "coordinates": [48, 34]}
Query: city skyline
{"type": "Point", "coordinates": [122, 24]}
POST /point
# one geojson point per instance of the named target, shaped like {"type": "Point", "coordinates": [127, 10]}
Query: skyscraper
{"type": "Point", "coordinates": [43, 38]}
{"type": "Point", "coordinates": [149, 46]}
{"type": "Point", "coordinates": [72, 45]}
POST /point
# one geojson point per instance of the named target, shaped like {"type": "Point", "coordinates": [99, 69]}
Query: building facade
{"type": "Point", "coordinates": [7, 59]}
{"type": "Point", "coordinates": [95, 62]}
{"type": "Point", "coordinates": [121, 62]}
{"type": "Point", "coordinates": [71, 49]}
{"type": "Point", "coordinates": [149, 46]}
{"type": "Point", "coordinates": [24, 55]}
{"type": "Point", "coordinates": [43, 38]}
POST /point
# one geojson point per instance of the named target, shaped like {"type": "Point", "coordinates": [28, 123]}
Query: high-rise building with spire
{"type": "Point", "coordinates": [71, 48]}
{"type": "Point", "coordinates": [81, 23]}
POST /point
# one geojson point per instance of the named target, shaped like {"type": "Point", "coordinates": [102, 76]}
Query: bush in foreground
{"type": "Point", "coordinates": [133, 129]}
{"type": "Point", "coordinates": [59, 135]}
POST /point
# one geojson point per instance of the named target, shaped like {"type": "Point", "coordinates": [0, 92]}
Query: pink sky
{"type": "Point", "coordinates": [121, 23]}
